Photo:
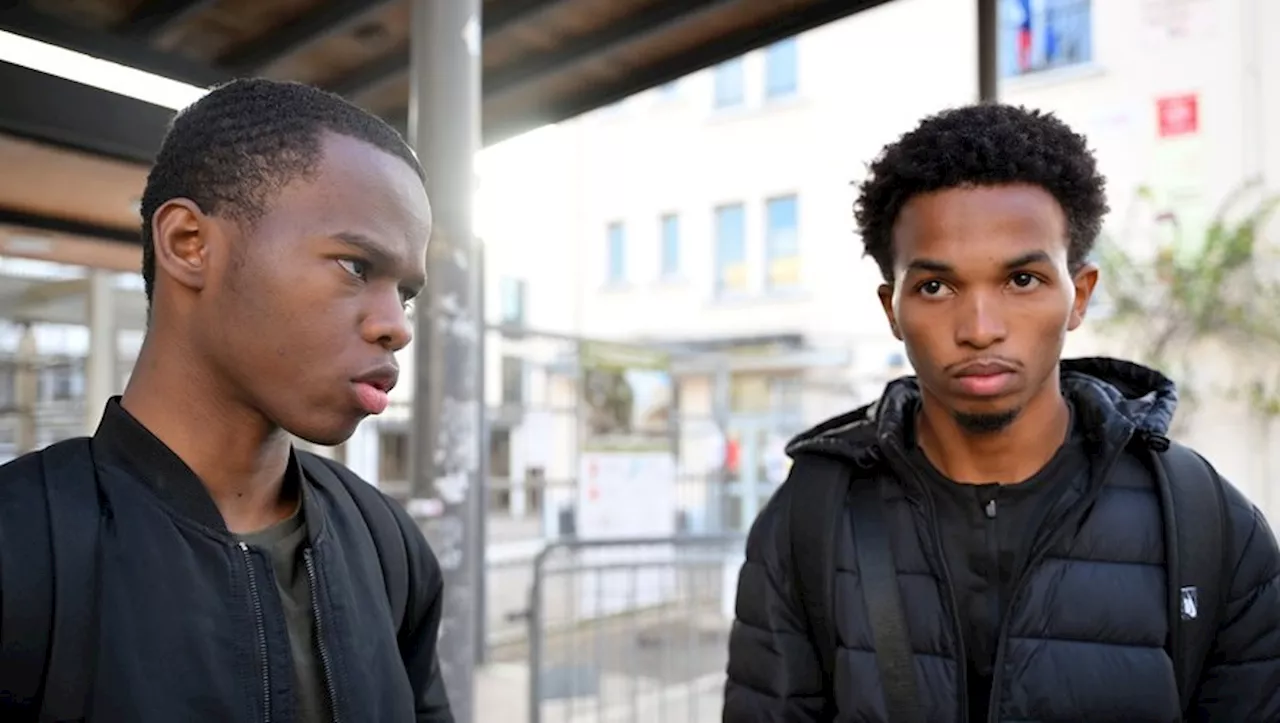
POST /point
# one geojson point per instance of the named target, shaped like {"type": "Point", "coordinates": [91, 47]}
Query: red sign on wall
{"type": "Point", "coordinates": [1178, 115]}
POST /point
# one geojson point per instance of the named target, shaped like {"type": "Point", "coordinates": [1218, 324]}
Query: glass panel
{"type": "Point", "coordinates": [731, 249]}
{"type": "Point", "coordinates": [780, 69]}
{"type": "Point", "coordinates": [729, 89]}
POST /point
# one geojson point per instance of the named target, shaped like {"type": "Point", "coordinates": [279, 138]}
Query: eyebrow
{"type": "Point", "coordinates": [380, 256]}
{"type": "Point", "coordinates": [942, 267]}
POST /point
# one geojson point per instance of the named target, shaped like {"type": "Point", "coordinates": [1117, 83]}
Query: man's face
{"type": "Point", "coordinates": [982, 298]}
{"type": "Point", "coordinates": [306, 314]}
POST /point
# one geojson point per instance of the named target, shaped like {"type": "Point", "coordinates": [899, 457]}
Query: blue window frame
{"type": "Point", "coordinates": [1038, 35]}
{"type": "Point", "coordinates": [731, 249]}
{"type": "Point", "coordinates": [617, 253]}
{"type": "Point", "coordinates": [670, 261]}
{"type": "Point", "coordinates": [730, 85]}
{"type": "Point", "coordinates": [781, 73]}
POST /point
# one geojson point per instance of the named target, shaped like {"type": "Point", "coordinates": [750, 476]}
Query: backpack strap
{"type": "Point", "coordinates": [51, 583]}
{"type": "Point", "coordinates": [1197, 531]}
{"type": "Point", "coordinates": [878, 575]}
{"type": "Point", "coordinates": [384, 528]}
{"type": "Point", "coordinates": [26, 584]}
{"type": "Point", "coordinates": [819, 486]}
{"type": "Point", "coordinates": [75, 517]}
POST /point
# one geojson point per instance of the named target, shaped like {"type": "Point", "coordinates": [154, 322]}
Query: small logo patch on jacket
{"type": "Point", "coordinates": [1190, 602]}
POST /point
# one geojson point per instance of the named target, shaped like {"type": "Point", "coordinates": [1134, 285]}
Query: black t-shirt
{"type": "Point", "coordinates": [985, 529]}
{"type": "Point", "coordinates": [285, 542]}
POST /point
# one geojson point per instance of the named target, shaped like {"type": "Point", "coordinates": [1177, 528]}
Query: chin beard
{"type": "Point", "coordinates": [985, 422]}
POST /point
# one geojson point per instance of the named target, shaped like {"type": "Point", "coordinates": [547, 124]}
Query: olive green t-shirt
{"type": "Point", "coordinates": [284, 542]}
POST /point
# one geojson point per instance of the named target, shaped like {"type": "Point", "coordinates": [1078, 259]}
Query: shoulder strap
{"type": "Point", "coordinates": [384, 528]}
{"type": "Point", "coordinates": [71, 483]}
{"type": "Point", "coordinates": [50, 583]}
{"type": "Point", "coordinates": [879, 577]}
{"type": "Point", "coordinates": [819, 486]}
{"type": "Point", "coordinates": [26, 584]}
{"type": "Point", "coordinates": [1199, 561]}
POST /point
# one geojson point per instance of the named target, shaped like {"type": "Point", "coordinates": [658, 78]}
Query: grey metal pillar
{"type": "Point", "coordinates": [482, 490]}
{"type": "Point", "coordinates": [988, 70]}
{"type": "Point", "coordinates": [444, 128]}
{"type": "Point", "coordinates": [26, 388]}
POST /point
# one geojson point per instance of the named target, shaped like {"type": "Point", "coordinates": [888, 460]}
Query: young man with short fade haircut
{"type": "Point", "coordinates": [1006, 536]}
{"type": "Point", "coordinates": [186, 563]}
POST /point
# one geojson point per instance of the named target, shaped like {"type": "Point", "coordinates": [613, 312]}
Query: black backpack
{"type": "Point", "coordinates": [48, 575]}
{"type": "Point", "coordinates": [1197, 551]}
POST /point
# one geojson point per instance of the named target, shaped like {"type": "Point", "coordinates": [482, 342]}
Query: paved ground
{"type": "Point", "coordinates": [502, 694]}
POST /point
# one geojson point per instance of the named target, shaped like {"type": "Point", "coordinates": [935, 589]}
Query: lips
{"type": "Point", "coordinates": [372, 388]}
{"type": "Point", "coordinates": [985, 378]}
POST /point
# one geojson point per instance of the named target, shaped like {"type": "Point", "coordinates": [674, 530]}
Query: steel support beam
{"type": "Point", "coordinates": [154, 18]}
{"type": "Point", "coordinates": [330, 19]}
{"type": "Point", "coordinates": [27, 22]}
{"type": "Point", "coordinates": [53, 110]}
{"type": "Point", "coordinates": [444, 127]}
{"type": "Point", "coordinates": [988, 30]}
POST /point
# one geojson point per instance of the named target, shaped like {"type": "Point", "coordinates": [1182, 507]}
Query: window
{"type": "Point", "coordinates": [1036, 36]}
{"type": "Point", "coordinates": [499, 482]}
{"type": "Point", "coordinates": [512, 380]}
{"type": "Point", "coordinates": [513, 297]}
{"type": "Point", "coordinates": [8, 385]}
{"type": "Point", "coordinates": [617, 271]}
{"type": "Point", "coordinates": [670, 261]}
{"type": "Point", "coordinates": [780, 77]}
{"type": "Point", "coordinates": [729, 82]}
{"type": "Point", "coordinates": [754, 393]}
{"type": "Point", "coordinates": [60, 381]}
{"type": "Point", "coordinates": [749, 393]}
{"type": "Point", "coordinates": [393, 455]}
{"type": "Point", "coordinates": [782, 244]}
{"type": "Point", "coordinates": [731, 250]}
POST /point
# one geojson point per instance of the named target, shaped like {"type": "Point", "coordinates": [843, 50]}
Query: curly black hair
{"type": "Point", "coordinates": [983, 145]}
{"type": "Point", "coordinates": [232, 149]}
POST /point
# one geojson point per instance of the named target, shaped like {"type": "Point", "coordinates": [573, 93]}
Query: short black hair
{"type": "Point", "coordinates": [244, 140]}
{"type": "Point", "coordinates": [983, 145]}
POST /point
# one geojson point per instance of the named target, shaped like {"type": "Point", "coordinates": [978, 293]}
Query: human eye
{"type": "Point", "coordinates": [1023, 281]}
{"type": "Point", "coordinates": [356, 267]}
{"type": "Point", "coordinates": [933, 289]}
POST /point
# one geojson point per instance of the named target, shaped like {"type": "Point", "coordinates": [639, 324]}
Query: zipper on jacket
{"type": "Point", "coordinates": [1046, 543]}
{"type": "Point", "coordinates": [326, 662]}
{"type": "Point", "coordinates": [261, 626]}
{"type": "Point", "coordinates": [962, 656]}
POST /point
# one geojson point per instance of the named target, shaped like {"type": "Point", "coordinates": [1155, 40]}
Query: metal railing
{"type": "Point", "coordinates": [631, 629]}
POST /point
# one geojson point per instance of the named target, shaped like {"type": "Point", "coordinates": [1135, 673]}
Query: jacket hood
{"type": "Point", "coordinates": [1115, 400]}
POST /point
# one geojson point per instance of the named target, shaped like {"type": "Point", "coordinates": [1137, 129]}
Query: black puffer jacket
{"type": "Point", "coordinates": [1084, 637]}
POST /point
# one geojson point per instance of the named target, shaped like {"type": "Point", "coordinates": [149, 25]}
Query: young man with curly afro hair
{"type": "Point", "coordinates": [1006, 535]}
{"type": "Point", "coordinates": [186, 563]}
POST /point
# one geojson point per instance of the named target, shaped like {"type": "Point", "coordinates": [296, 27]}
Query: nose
{"type": "Point", "coordinates": [387, 324]}
{"type": "Point", "coordinates": [981, 321]}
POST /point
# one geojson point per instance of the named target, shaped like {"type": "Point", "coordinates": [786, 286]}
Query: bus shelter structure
{"type": "Point", "coordinates": [454, 75]}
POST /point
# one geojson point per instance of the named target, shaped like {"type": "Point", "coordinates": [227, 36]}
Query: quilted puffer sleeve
{"type": "Point", "coordinates": [774, 673]}
{"type": "Point", "coordinates": [1242, 677]}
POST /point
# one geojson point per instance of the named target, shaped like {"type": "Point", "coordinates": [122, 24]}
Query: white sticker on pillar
{"type": "Point", "coordinates": [471, 35]}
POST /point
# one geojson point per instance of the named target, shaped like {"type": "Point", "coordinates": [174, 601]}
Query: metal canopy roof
{"type": "Point", "coordinates": [543, 61]}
